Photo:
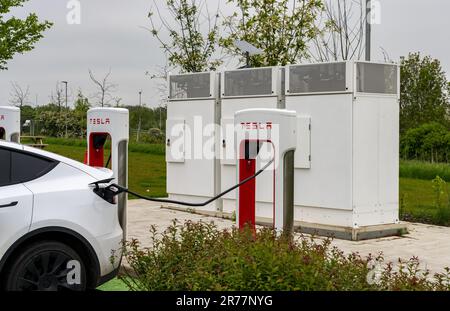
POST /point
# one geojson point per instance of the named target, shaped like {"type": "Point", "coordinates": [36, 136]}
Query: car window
{"type": "Point", "coordinates": [5, 167]}
{"type": "Point", "coordinates": [26, 167]}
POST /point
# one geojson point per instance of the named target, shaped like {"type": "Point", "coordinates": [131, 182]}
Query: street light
{"type": "Point", "coordinates": [66, 83]}
{"type": "Point", "coordinates": [140, 117]}
{"type": "Point", "coordinates": [368, 29]}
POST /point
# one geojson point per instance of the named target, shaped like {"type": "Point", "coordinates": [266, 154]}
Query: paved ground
{"type": "Point", "coordinates": [430, 243]}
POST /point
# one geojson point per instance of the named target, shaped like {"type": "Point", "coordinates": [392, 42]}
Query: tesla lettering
{"type": "Point", "coordinates": [99, 121]}
{"type": "Point", "coordinates": [257, 125]}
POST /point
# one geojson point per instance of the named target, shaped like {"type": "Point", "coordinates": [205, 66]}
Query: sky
{"type": "Point", "coordinates": [112, 36]}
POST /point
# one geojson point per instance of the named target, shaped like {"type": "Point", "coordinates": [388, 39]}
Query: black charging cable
{"type": "Point", "coordinates": [109, 192]}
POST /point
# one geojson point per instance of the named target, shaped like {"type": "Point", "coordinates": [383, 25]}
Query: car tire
{"type": "Point", "coordinates": [47, 266]}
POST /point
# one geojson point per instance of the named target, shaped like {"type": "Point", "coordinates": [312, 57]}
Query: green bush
{"type": "Point", "coordinates": [443, 206]}
{"type": "Point", "coordinates": [429, 142]}
{"type": "Point", "coordinates": [198, 256]}
{"type": "Point", "coordinates": [424, 170]}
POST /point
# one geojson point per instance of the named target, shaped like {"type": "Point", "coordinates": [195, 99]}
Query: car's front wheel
{"type": "Point", "coordinates": [47, 266]}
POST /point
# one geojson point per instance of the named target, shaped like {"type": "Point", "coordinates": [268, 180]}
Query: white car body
{"type": "Point", "coordinates": [61, 205]}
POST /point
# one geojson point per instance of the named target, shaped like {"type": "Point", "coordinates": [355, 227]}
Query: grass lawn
{"type": "Point", "coordinates": [419, 200]}
{"type": "Point", "coordinates": [147, 172]}
{"type": "Point", "coordinates": [113, 285]}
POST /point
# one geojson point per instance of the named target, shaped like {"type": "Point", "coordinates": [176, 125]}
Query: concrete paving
{"type": "Point", "coordinates": [430, 243]}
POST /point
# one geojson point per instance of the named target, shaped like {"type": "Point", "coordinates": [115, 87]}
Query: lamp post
{"type": "Point", "coordinates": [66, 83]}
{"type": "Point", "coordinates": [368, 29]}
{"type": "Point", "coordinates": [140, 117]}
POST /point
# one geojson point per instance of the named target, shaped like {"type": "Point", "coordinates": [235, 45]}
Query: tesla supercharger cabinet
{"type": "Point", "coordinates": [246, 89]}
{"type": "Point", "coordinates": [347, 159]}
{"type": "Point", "coordinates": [192, 135]}
{"type": "Point", "coordinates": [10, 124]}
{"type": "Point", "coordinates": [263, 135]}
{"type": "Point", "coordinates": [110, 124]}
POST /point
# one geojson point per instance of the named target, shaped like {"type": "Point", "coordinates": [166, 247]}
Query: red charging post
{"type": "Point", "coordinates": [247, 197]}
{"type": "Point", "coordinates": [97, 149]}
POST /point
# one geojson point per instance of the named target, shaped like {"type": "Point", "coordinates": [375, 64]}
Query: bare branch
{"type": "Point", "coordinates": [105, 88]}
{"type": "Point", "coordinates": [19, 95]}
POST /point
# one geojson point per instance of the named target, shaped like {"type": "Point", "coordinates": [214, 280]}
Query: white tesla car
{"type": "Point", "coordinates": [55, 232]}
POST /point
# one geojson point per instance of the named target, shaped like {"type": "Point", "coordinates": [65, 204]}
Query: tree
{"type": "Point", "coordinates": [19, 95]}
{"type": "Point", "coordinates": [81, 107]}
{"type": "Point", "coordinates": [342, 35]}
{"type": "Point", "coordinates": [160, 75]}
{"type": "Point", "coordinates": [104, 88]}
{"type": "Point", "coordinates": [193, 34]}
{"type": "Point", "coordinates": [18, 35]}
{"type": "Point", "coordinates": [117, 101]}
{"type": "Point", "coordinates": [428, 142]}
{"type": "Point", "coordinates": [424, 92]}
{"type": "Point", "coordinates": [282, 29]}
{"type": "Point", "coordinates": [81, 103]}
{"type": "Point", "coordinates": [58, 97]}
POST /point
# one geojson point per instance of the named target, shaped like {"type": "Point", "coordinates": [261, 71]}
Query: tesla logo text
{"type": "Point", "coordinates": [99, 121]}
{"type": "Point", "coordinates": [2, 117]}
{"type": "Point", "coordinates": [256, 125]}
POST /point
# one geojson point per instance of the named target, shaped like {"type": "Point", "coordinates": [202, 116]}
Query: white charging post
{"type": "Point", "coordinates": [112, 123]}
{"type": "Point", "coordinates": [250, 88]}
{"type": "Point", "coordinates": [263, 135]}
{"type": "Point", "coordinates": [10, 124]}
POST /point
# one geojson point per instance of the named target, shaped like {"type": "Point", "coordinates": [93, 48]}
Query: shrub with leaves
{"type": "Point", "coordinates": [198, 256]}
{"type": "Point", "coordinates": [443, 207]}
{"type": "Point", "coordinates": [429, 142]}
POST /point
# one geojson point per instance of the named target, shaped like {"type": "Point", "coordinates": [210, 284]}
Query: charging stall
{"type": "Point", "coordinates": [347, 144]}
{"type": "Point", "coordinates": [246, 89]}
{"type": "Point", "coordinates": [10, 124]}
{"type": "Point", "coordinates": [272, 134]}
{"type": "Point", "coordinates": [348, 125]}
{"type": "Point", "coordinates": [108, 128]}
{"type": "Point", "coordinates": [193, 110]}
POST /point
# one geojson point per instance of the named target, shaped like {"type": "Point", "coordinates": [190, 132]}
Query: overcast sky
{"type": "Point", "coordinates": [111, 35]}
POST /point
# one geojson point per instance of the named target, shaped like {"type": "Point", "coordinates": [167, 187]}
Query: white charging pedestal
{"type": "Point", "coordinates": [10, 124]}
{"type": "Point", "coordinates": [263, 135]}
{"type": "Point", "coordinates": [111, 124]}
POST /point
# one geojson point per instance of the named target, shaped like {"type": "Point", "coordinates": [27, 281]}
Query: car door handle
{"type": "Point", "coordinates": [10, 204]}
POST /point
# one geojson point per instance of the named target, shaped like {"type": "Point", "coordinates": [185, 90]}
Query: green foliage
{"type": "Point", "coordinates": [424, 170]}
{"type": "Point", "coordinates": [424, 92]}
{"type": "Point", "coordinates": [189, 47]}
{"type": "Point", "coordinates": [151, 119]}
{"type": "Point", "coordinates": [53, 123]}
{"type": "Point", "coordinates": [18, 35]}
{"type": "Point", "coordinates": [443, 207]}
{"type": "Point", "coordinates": [50, 120]}
{"type": "Point", "coordinates": [429, 142]}
{"type": "Point", "coordinates": [198, 256]}
{"type": "Point", "coordinates": [419, 202]}
{"type": "Point", "coordinates": [281, 29]}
